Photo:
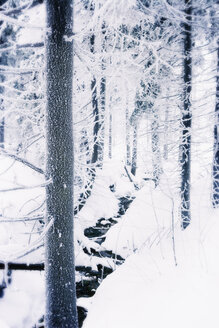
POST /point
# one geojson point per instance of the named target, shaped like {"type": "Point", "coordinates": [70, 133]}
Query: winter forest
{"type": "Point", "coordinates": [109, 163]}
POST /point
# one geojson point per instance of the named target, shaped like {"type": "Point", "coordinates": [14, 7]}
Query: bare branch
{"type": "Point", "coordinates": [19, 10]}
{"type": "Point", "coordinates": [16, 22]}
{"type": "Point", "coordinates": [27, 187]}
{"type": "Point", "coordinates": [23, 161]}
{"type": "Point", "coordinates": [4, 219]}
{"type": "Point", "coordinates": [11, 70]}
{"type": "Point", "coordinates": [130, 179]}
{"type": "Point", "coordinates": [15, 47]}
{"type": "Point", "coordinates": [22, 266]}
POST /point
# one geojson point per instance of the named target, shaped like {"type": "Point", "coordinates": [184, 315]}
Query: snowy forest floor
{"type": "Point", "coordinates": [169, 276]}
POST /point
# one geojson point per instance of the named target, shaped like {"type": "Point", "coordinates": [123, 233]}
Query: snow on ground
{"type": "Point", "coordinates": [16, 175]}
{"type": "Point", "coordinates": [148, 217]}
{"type": "Point", "coordinates": [149, 289]}
{"type": "Point", "coordinates": [144, 293]}
{"type": "Point", "coordinates": [103, 203]}
{"type": "Point", "coordinates": [23, 302]}
{"type": "Point", "coordinates": [35, 17]}
{"type": "Point", "coordinates": [25, 296]}
{"type": "Point", "coordinates": [15, 204]}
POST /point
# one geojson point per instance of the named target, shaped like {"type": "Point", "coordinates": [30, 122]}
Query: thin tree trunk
{"type": "Point", "coordinates": [96, 128]}
{"type": "Point", "coordinates": [128, 148]}
{"type": "Point", "coordinates": [96, 121]}
{"type": "Point", "coordinates": [103, 109]}
{"type": "Point", "coordinates": [2, 131]}
{"type": "Point", "coordinates": [215, 194]}
{"type": "Point", "coordinates": [102, 97]}
{"type": "Point", "coordinates": [156, 158]}
{"type": "Point", "coordinates": [110, 131]}
{"type": "Point", "coordinates": [165, 147]}
{"type": "Point", "coordinates": [5, 33]}
{"type": "Point", "coordinates": [134, 149]}
{"type": "Point", "coordinates": [84, 147]}
{"type": "Point", "coordinates": [186, 118]}
{"type": "Point", "coordinates": [61, 310]}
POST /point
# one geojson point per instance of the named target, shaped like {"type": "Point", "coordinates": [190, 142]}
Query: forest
{"type": "Point", "coordinates": [109, 163]}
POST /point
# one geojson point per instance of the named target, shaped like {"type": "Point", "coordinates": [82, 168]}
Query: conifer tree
{"type": "Point", "coordinates": [61, 310]}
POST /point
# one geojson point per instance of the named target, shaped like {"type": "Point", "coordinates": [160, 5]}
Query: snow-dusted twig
{"type": "Point", "coordinates": [130, 179]}
{"type": "Point", "coordinates": [31, 248]}
{"type": "Point", "coordinates": [12, 70]}
{"type": "Point", "coordinates": [173, 232]}
{"type": "Point", "coordinates": [23, 161]}
{"type": "Point", "coordinates": [5, 219]}
{"type": "Point", "coordinates": [41, 185]}
{"type": "Point", "coordinates": [16, 22]}
{"type": "Point", "coordinates": [15, 47]}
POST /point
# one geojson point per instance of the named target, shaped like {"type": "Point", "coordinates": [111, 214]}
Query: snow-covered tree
{"type": "Point", "coordinates": [61, 310]}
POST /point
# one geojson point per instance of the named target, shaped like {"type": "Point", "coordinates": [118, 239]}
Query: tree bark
{"type": "Point", "coordinates": [156, 158]}
{"type": "Point", "coordinates": [134, 149]}
{"type": "Point", "coordinates": [127, 125]}
{"type": "Point", "coordinates": [96, 121]}
{"type": "Point", "coordinates": [166, 127]}
{"type": "Point", "coordinates": [4, 59]}
{"type": "Point", "coordinates": [61, 310]}
{"type": "Point", "coordinates": [103, 109]}
{"type": "Point", "coordinates": [102, 96]}
{"type": "Point", "coordinates": [215, 193]}
{"type": "Point", "coordinates": [2, 131]}
{"type": "Point", "coordinates": [96, 128]}
{"type": "Point", "coordinates": [110, 129]}
{"type": "Point", "coordinates": [186, 118]}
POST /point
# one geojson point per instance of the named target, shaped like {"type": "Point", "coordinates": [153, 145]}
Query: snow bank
{"type": "Point", "coordinates": [169, 283]}
{"type": "Point", "coordinates": [148, 217]}
{"type": "Point", "coordinates": [102, 202]}
{"type": "Point", "coordinates": [25, 301]}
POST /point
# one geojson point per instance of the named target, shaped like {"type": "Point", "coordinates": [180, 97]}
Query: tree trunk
{"type": "Point", "coordinates": [110, 131]}
{"type": "Point", "coordinates": [2, 131]}
{"type": "Point", "coordinates": [4, 59]}
{"type": "Point", "coordinates": [215, 194]}
{"type": "Point", "coordinates": [166, 127]}
{"type": "Point", "coordinates": [61, 310]}
{"type": "Point", "coordinates": [134, 149]}
{"type": "Point", "coordinates": [156, 158]}
{"type": "Point", "coordinates": [102, 108]}
{"type": "Point", "coordinates": [186, 118]}
{"type": "Point", "coordinates": [96, 128]}
{"type": "Point", "coordinates": [102, 96]}
{"type": "Point", "coordinates": [127, 124]}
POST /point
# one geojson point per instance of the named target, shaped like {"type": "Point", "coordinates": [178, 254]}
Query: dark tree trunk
{"type": "Point", "coordinates": [134, 149]}
{"type": "Point", "coordinates": [2, 2]}
{"type": "Point", "coordinates": [84, 147]}
{"type": "Point", "coordinates": [186, 118]}
{"type": "Point", "coordinates": [96, 121]}
{"type": "Point", "coordinates": [102, 108]}
{"type": "Point", "coordinates": [4, 59]}
{"type": "Point", "coordinates": [96, 128]}
{"type": "Point", "coordinates": [215, 194]}
{"type": "Point", "coordinates": [61, 308]}
{"type": "Point", "coordinates": [102, 96]}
